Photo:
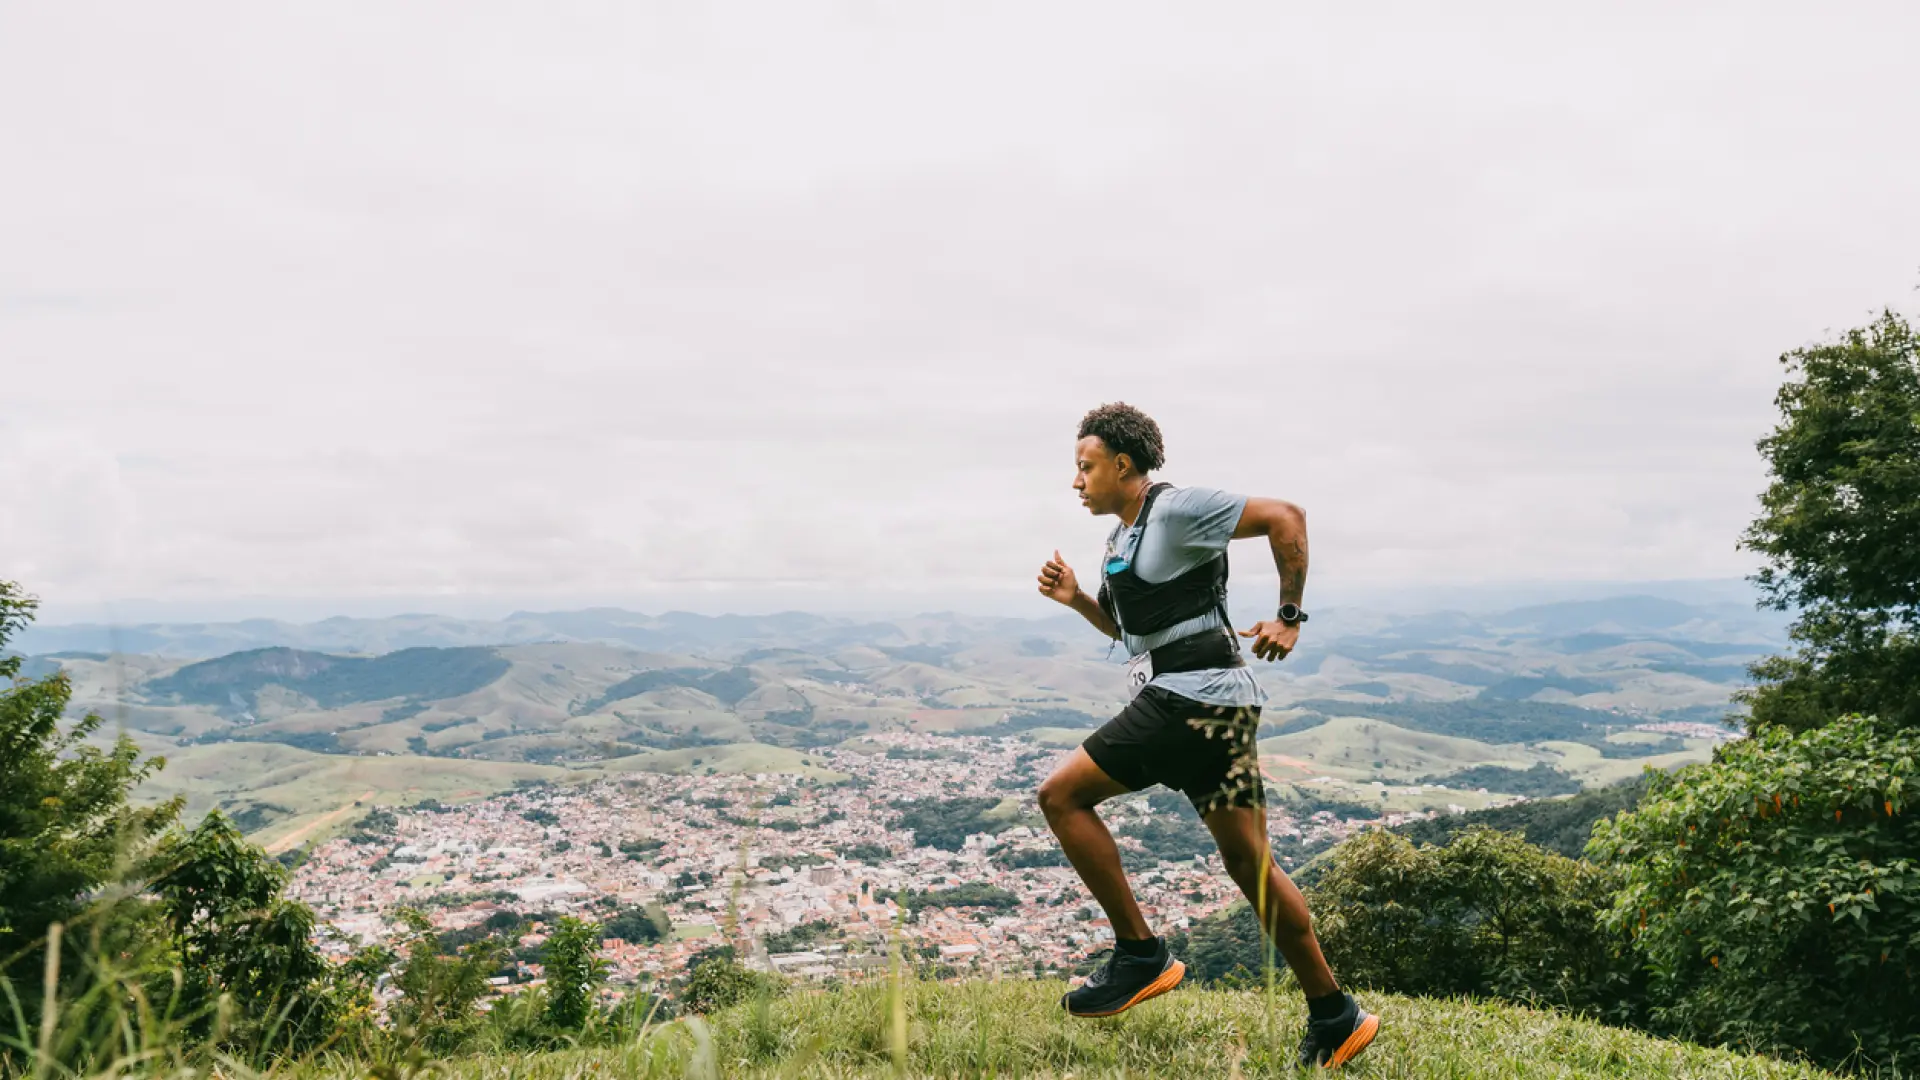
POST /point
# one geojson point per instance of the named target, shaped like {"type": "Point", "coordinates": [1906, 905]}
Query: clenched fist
{"type": "Point", "coordinates": [1057, 582]}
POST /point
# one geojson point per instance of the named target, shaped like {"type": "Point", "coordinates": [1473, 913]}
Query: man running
{"type": "Point", "coordinates": [1192, 720]}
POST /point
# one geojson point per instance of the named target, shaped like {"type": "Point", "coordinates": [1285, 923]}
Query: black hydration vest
{"type": "Point", "coordinates": [1141, 607]}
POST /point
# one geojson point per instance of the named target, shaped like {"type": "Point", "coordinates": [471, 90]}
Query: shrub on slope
{"type": "Point", "coordinates": [1774, 894]}
{"type": "Point", "coordinates": [1488, 915]}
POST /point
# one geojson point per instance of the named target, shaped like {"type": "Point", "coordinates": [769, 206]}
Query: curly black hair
{"type": "Point", "coordinates": [1126, 430]}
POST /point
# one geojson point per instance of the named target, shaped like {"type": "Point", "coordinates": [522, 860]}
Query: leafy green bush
{"type": "Point", "coordinates": [1774, 894]}
{"type": "Point", "coordinates": [1488, 915]}
{"type": "Point", "coordinates": [718, 979]}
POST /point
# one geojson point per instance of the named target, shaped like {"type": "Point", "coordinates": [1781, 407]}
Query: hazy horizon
{"type": "Point", "coordinates": [1004, 604]}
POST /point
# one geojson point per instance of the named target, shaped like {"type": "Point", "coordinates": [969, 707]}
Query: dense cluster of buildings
{"type": "Point", "coordinates": [818, 867]}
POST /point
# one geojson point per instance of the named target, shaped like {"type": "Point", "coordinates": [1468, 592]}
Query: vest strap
{"type": "Point", "coordinates": [1204, 651]}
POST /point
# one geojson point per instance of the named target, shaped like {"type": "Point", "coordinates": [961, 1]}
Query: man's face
{"type": "Point", "coordinates": [1096, 476]}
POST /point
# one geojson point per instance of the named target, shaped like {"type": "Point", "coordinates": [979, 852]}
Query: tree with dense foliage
{"type": "Point", "coordinates": [716, 979]}
{"type": "Point", "coordinates": [946, 823]}
{"type": "Point", "coordinates": [1774, 895]}
{"type": "Point", "coordinates": [440, 994]}
{"type": "Point", "coordinates": [66, 828]}
{"type": "Point", "coordinates": [246, 955]}
{"type": "Point", "coordinates": [575, 972]}
{"type": "Point", "coordinates": [1840, 529]}
{"type": "Point", "coordinates": [1488, 915]}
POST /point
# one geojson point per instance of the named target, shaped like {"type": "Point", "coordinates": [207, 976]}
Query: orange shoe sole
{"type": "Point", "coordinates": [1361, 1038]}
{"type": "Point", "coordinates": [1168, 979]}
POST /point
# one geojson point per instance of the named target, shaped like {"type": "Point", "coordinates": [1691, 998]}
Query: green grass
{"type": "Point", "coordinates": [1585, 764]}
{"type": "Point", "coordinates": [1015, 1028]}
{"type": "Point", "coordinates": [1347, 747]}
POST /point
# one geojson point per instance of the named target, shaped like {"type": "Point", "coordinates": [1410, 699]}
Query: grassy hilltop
{"type": "Point", "coordinates": [1015, 1028]}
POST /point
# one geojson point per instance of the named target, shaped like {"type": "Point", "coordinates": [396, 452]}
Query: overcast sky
{"type": "Point", "coordinates": [338, 306]}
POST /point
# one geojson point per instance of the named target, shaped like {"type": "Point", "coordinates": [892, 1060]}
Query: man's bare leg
{"type": "Point", "coordinates": [1241, 833]}
{"type": "Point", "coordinates": [1067, 798]}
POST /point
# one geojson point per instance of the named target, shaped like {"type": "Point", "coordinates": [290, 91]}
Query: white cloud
{"type": "Point", "coordinates": [407, 299]}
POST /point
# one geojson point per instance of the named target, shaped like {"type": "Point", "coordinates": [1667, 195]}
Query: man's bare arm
{"type": "Point", "coordinates": [1285, 527]}
{"type": "Point", "coordinates": [1090, 610]}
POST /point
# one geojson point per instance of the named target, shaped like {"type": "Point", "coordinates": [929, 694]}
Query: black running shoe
{"type": "Point", "coordinates": [1125, 981]}
{"type": "Point", "coordinates": [1330, 1044]}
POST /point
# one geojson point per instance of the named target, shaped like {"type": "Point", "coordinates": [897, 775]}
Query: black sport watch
{"type": "Point", "coordinates": [1291, 614]}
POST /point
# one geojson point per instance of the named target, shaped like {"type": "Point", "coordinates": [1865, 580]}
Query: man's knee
{"type": "Point", "coordinates": [1057, 796]}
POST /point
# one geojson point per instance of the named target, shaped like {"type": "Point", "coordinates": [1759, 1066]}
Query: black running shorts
{"type": "Point", "coordinates": [1206, 752]}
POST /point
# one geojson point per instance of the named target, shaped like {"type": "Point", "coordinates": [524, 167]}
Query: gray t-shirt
{"type": "Point", "coordinates": [1187, 527]}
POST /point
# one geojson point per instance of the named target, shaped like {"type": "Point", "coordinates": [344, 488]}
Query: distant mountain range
{"type": "Point", "coordinates": [1626, 616]}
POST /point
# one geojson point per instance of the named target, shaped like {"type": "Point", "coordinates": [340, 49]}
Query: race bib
{"type": "Point", "coordinates": [1139, 673]}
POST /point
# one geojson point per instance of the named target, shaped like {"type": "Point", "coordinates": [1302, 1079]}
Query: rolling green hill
{"type": "Point", "coordinates": [1488, 720]}
{"type": "Point", "coordinates": [330, 681]}
{"type": "Point", "coordinates": [1361, 748]}
{"type": "Point", "coordinates": [304, 793]}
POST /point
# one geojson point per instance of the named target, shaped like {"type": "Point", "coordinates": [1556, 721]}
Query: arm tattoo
{"type": "Point", "coordinates": [1290, 558]}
